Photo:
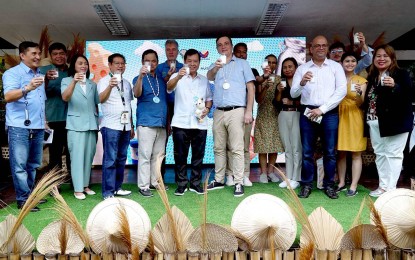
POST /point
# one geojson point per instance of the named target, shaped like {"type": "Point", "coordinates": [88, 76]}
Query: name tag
{"type": "Point", "coordinates": [125, 117]}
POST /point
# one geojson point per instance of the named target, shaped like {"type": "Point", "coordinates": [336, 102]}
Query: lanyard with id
{"type": "Point", "coordinates": [124, 118]}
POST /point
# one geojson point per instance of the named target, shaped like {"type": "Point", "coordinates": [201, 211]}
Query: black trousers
{"type": "Point", "coordinates": [59, 142]}
{"type": "Point", "coordinates": [184, 139]}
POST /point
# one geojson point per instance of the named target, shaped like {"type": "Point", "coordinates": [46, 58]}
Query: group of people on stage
{"type": "Point", "coordinates": [322, 98]}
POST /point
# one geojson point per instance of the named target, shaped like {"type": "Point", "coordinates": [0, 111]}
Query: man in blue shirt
{"type": "Point", "coordinates": [150, 91]}
{"type": "Point", "coordinates": [25, 95]}
{"type": "Point", "coordinates": [165, 70]}
{"type": "Point", "coordinates": [234, 98]}
{"type": "Point", "coordinates": [56, 108]}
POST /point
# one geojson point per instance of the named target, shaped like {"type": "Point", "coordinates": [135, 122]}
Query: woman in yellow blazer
{"type": "Point", "coordinates": [81, 123]}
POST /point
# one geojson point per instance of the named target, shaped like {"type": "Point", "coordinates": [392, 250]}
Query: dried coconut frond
{"type": "Point", "coordinates": [135, 255]}
{"type": "Point", "coordinates": [176, 227]}
{"type": "Point", "coordinates": [63, 237]}
{"type": "Point", "coordinates": [379, 40]}
{"type": "Point", "coordinates": [162, 233]}
{"type": "Point", "coordinates": [307, 251]}
{"type": "Point", "coordinates": [297, 209]}
{"type": "Point", "coordinates": [204, 211]}
{"type": "Point", "coordinates": [124, 235]}
{"type": "Point", "coordinates": [66, 213]}
{"type": "Point", "coordinates": [358, 219]}
{"type": "Point", "coordinates": [22, 242]}
{"type": "Point", "coordinates": [76, 47]}
{"type": "Point", "coordinates": [377, 220]}
{"type": "Point", "coordinates": [11, 60]}
{"type": "Point", "coordinates": [150, 246]}
{"type": "Point", "coordinates": [43, 188]}
{"type": "Point", "coordinates": [327, 231]}
{"type": "Point", "coordinates": [218, 239]}
{"type": "Point", "coordinates": [44, 42]}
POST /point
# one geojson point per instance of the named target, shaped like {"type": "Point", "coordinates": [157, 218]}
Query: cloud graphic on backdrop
{"type": "Point", "coordinates": [98, 60]}
{"type": "Point", "coordinates": [150, 45]}
{"type": "Point", "coordinates": [255, 46]}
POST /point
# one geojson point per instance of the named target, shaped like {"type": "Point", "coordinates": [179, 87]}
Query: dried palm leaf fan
{"type": "Point", "coordinates": [118, 226]}
{"type": "Point", "coordinates": [59, 237]}
{"type": "Point", "coordinates": [22, 242]}
{"type": "Point", "coordinates": [397, 212]}
{"type": "Point", "coordinates": [266, 221]}
{"type": "Point", "coordinates": [243, 242]}
{"type": "Point", "coordinates": [327, 231]}
{"type": "Point", "coordinates": [66, 214]}
{"type": "Point", "coordinates": [43, 188]}
{"type": "Point", "coordinates": [370, 238]}
{"type": "Point", "coordinates": [174, 228]}
{"type": "Point", "coordinates": [210, 238]}
{"type": "Point", "coordinates": [362, 236]}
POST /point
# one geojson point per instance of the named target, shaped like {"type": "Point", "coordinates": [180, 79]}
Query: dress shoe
{"type": "Point", "coordinates": [89, 191]}
{"type": "Point", "coordinates": [304, 192]}
{"type": "Point", "coordinates": [340, 188]}
{"type": "Point", "coordinates": [34, 209]}
{"type": "Point", "coordinates": [79, 196]}
{"type": "Point", "coordinates": [331, 193]}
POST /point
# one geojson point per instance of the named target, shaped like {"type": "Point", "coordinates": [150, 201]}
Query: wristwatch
{"type": "Point", "coordinates": [24, 91]}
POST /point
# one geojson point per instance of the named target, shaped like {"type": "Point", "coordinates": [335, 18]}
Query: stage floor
{"type": "Point", "coordinates": [369, 178]}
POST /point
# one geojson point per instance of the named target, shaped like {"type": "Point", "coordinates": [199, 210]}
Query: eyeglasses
{"type": "Point", "coordinates": [336, 51]}
{"type": "Point", "coordinates": [119, 63]}
{"type": "Point", "coordinates": [320, 46]}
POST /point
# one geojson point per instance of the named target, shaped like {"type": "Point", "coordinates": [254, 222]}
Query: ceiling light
{"type": "Point", "coordinates": [109, 15]}
{"type": "Point", "coordinates": [271, 16]}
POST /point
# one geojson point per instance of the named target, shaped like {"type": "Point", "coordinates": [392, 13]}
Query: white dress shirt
{"type": "Point", "coordinates": [113, 107]}
{"type": "Point", "coordinates": [326, 90]}
{"type": "Point", "coordinates": [187, 91]}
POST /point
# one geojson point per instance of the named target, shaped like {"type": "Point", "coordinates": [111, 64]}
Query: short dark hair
{"type": "Point", "coordinates": [56, 46]}
{"type": "Point", "coordinates": [71, 69]}
{"type": "Point", "coordinates": [271, 55]}
{"type": "Point", "coordinates": [148, 52]}
{"type": "Point", "coordinates": [115, 55]}
{"type": "Point", "coordinates": [171, 41]}
{"type": "Point", "coordinates": [336, 45]}
{"type": "Point", "coordinates": [240, 44]}
{"type": "Point", "coordinates": [217, 39]}
{"type": "Point", "coordinates": [23, 46]}
{"type": "Point", "coordinates": [191, 52]}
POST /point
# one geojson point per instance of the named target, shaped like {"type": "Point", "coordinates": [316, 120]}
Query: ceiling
{"type": "Point", "coordinates": [161, 19]}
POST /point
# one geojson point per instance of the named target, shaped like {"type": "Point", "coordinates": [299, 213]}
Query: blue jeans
{"type": "Point", "coordinates": [25, 152]}
{"type": "Point", "coordinates": [115, 143]}
{"type": "Point", "coordinates": [327, 130]}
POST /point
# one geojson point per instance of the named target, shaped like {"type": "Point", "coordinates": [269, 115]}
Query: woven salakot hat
{"type": "Point", "coordinates": [364, 236]}
{"type": "Point", "coordinates": [22, 240]}
{"type": "Point", "coordinates": [259, 213]}
{"type": "Point", "coordinates": [217, 239]}
{"type": "Point", "coordinates": [49, 242]}
{"type": "Point", "coordinates": [397, 212]}
{"type": "Point", "coordinates": [103, 226]}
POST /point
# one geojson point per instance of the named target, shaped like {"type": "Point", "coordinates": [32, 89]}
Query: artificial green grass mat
{"type": "Point", "coordinates": [221, 205]}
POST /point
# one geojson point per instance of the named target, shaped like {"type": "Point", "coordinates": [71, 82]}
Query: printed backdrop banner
{"type": "Point", "coordinates": [98, 52]}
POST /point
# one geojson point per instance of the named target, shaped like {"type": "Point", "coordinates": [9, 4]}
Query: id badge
{"type": "Point", "coordinates": [125, 117]}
